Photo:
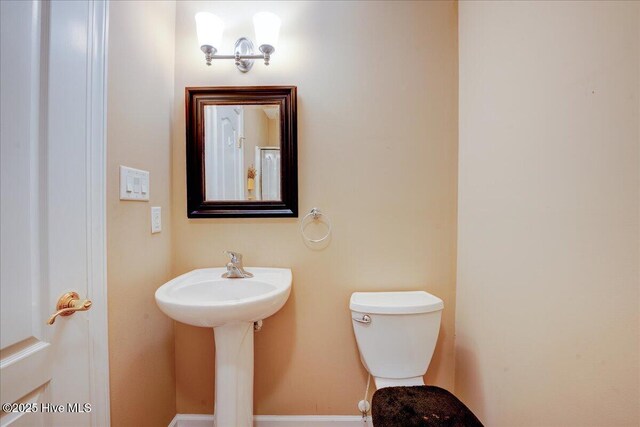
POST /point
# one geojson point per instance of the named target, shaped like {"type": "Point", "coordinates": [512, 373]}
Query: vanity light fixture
{"type": "Point", "coordinates": [210, 28]}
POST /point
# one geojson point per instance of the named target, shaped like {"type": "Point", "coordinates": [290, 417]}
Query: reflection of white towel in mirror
{"type": "Point", "coordinates": [268, 173]}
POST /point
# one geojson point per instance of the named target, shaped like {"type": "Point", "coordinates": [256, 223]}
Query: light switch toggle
{"type": "Point", "coordinates": [156, 219]}
{"type": "Point", "coordinates": [134, 184]}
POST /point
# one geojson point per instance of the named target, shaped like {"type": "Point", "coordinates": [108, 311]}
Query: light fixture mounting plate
{"type": "Point", "coordinates": [243, 47]}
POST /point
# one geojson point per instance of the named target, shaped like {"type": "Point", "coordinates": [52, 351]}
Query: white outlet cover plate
{"type": "Point", "coordinates": [156, 219]}
{"type": "Point", "coordinates": [134, 184]}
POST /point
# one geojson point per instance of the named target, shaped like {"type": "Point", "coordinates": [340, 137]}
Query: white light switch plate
{"type": "Point", "coordinates": [134, 184]}
{"type": "Point", "coordinates": [156, 219]}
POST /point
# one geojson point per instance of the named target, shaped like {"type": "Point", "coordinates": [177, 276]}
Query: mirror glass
{"type": "Point", "coordinates": [242, 152]}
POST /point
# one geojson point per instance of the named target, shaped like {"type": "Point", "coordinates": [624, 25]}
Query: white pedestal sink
{"type": "Point", "coordinates": [229, 306]}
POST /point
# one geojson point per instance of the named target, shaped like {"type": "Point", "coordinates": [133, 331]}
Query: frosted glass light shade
{"type": "Point", "coordinates": [267, 27]}
{"type": "Point", "coordinates": [209, 28]}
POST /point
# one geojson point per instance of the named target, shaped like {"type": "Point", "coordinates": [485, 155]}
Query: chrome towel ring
{"type": "Point", "coordinates": [316, 215]}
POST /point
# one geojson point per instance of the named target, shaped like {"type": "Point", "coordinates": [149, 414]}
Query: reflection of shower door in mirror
{"type": "Point", "coordinates": [268, 173]}
{"type": "Point", "coordinates": [223, 153]}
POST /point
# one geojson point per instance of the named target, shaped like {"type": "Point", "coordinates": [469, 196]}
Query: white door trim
{"type": "Point", "coordinates": [96, 213]}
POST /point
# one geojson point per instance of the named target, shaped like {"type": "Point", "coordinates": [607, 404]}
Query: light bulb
{"type": "Point", "coordinates": [267, 27]}
{"type": "Point", "coordinates": [209, 28]}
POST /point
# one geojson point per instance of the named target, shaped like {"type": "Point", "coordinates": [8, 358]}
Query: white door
{"type": "Point", "coordinates": [52, 213]}
{"type": "Point", "coordinates": [228, 174]}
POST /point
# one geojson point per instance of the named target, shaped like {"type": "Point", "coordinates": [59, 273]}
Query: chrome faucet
{"type": "Point", "coordinates": [234, 267]}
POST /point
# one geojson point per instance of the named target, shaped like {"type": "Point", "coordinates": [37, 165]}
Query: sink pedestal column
{"type": "Point", "coordinates": [234, 375]}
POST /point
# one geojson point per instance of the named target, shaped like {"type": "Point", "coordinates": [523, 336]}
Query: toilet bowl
{"type": "Point", "coordinates": [396, 334]}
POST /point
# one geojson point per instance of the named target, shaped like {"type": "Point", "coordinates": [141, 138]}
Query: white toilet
{"type": "Point", "coordinates": [396, 334]}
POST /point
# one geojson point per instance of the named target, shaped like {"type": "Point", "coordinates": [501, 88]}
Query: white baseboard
{"type": "Point", "coordinates": [199, 420]}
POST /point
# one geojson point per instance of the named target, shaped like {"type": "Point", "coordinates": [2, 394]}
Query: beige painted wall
{"type": "Point", "coordinates": [547, 292]}
{"type": "Point", "coordinates": [274, 132]}
{"type": "Point", "coordinates": [256, 131]}
{"type": "Point", "coordinates": [140, 106]}
{"type": "Point", "coordinates": [376, 81]}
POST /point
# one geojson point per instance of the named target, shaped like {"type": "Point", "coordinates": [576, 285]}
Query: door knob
{"type": "Point", "coordinates": [68, 304]}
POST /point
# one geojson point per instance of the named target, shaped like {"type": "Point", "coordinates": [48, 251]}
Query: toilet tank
{"type": "Point", "coordinates": [396, 332]}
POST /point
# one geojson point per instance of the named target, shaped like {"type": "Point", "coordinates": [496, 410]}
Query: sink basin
{"type": "Point", "coordinates": [229, 306]}
{"type": "Point", "coordinates": [203, 298]}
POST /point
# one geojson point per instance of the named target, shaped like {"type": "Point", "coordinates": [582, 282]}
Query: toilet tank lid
{"type": "Point", "coordinates": [408, 302]}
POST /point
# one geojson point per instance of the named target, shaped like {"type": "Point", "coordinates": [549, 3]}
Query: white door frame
{"type": "Point", "coordinates": [96, 218]}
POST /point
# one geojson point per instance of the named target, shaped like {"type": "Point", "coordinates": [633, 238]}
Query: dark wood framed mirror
{"type": "Point", "coordinates": [242, 154]}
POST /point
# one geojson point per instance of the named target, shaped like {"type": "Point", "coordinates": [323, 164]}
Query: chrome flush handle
{"type": "Point", "coordinates": [366, 319]}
